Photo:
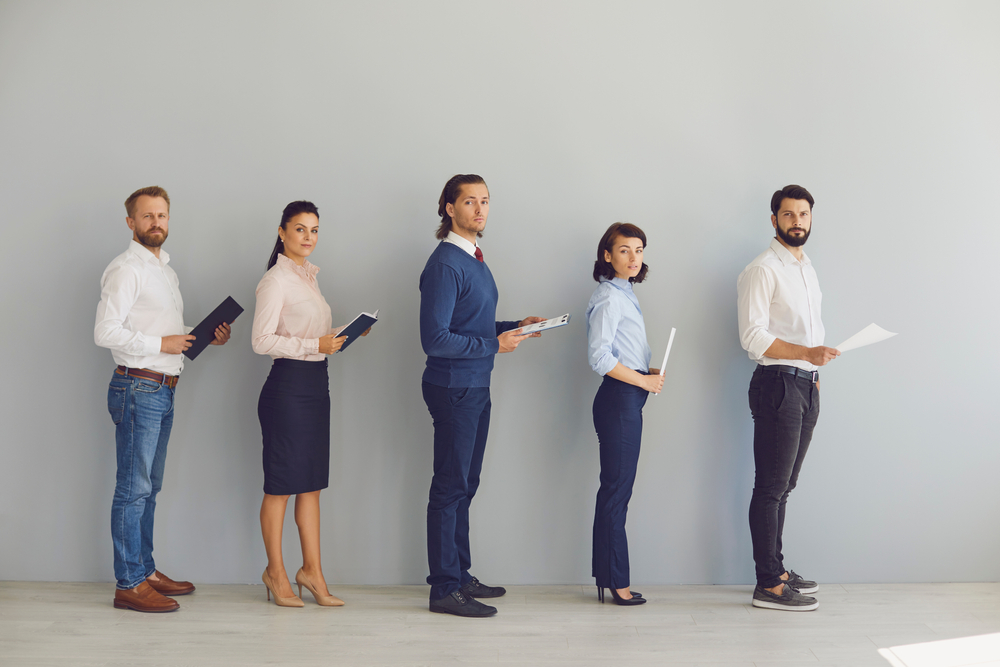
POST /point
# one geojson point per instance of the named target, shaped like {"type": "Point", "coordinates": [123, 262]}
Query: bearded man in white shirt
{"type": "Point", "coordinates": [140, 318]}
{"type": "Point", "coordinates": [780, 327]}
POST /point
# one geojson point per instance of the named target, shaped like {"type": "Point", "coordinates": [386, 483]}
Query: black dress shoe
{"type": "Point", "coordinates": [460, 605]}
{"type": "Point", "coordinates": [477, 589]}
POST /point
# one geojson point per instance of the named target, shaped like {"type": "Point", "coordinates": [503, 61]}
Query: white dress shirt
{"type": "Point", "coordinates": [140, 303]}
{"type": "Point", "coordinates": [291, 314]}
{"type": "Point", "coordinates": [778, 296]}
{"type": "Point", "coordinates": [462, 243]}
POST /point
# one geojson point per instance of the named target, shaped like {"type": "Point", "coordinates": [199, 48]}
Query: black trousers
{"type": "Point", "coordinates": [785, 409]}
{"type": "Point", "coordinates": [618, 421]}
{"type": "Point", "coordinates": [461, 423]}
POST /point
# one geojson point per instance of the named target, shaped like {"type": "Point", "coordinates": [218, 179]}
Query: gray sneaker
{"type": "Point", "coordinates": [800, 584]}
{"type": "Point", "coordinates": [789, 600]}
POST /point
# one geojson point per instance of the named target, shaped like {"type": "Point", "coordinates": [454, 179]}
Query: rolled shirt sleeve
{"type": "Point", "coordinates": [755, 289]}
{"type": "Point", "coordinates": [602, 325]}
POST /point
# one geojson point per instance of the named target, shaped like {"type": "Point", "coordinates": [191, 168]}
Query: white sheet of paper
{"type": "Point", "coordinates": [872, 333]}
{"type": "Point", "coordinates": [670, 342]}
{"type": "Point", "coordinates": [545, 324]}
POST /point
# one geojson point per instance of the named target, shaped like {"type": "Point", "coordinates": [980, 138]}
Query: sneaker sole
{"type": "Point", "coordinates": [445, 611]}
{"type": "Point", "coordinates": [765, 604]}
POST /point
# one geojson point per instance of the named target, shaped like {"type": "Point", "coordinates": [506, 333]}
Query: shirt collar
{"type": "Point", "coordinates": [786, 256]}
{"type": "Point", "coordinates": [307, 270]}
{"type": "Point", "coordinates": [462, 243]}
{"type": "Point", "coordinates": [620, 283]}
{"type": "Point", "coordinates": [145, 254]}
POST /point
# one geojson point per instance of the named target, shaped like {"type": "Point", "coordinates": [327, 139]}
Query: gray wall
{"type": "Point", "coordinates": [679, 117]}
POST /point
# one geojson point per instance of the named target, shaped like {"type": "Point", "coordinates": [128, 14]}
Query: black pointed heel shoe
{"type": "Point", "coordinates": [634, 600]}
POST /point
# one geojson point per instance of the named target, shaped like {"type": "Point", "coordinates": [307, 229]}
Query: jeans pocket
{"type": "Point", "coordinates": [116, 403]}
{"type": "Point", "coordinates": [148, 387]}
{"type": "Point", "coordinates": [780, 391]}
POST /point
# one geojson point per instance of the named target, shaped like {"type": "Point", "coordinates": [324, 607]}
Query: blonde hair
{"type": "Point", "coordinates": [151, 191]}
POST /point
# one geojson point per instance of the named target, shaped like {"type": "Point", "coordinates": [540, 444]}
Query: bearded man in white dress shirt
{"type": "Point", "coordinates": [140, 318]}
{"type": "Point", "coordinates": [780, 327]}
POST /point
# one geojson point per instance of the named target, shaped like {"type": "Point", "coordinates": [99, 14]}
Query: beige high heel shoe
{"type": "Point", "coordinates": [278, 600]}
{"type": "Point", "coordinates": [323, 600]}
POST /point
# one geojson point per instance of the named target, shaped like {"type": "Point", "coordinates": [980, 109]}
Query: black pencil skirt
{"type": "Point", "coordinates": [294, 413]}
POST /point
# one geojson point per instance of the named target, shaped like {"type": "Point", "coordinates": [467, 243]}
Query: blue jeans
{"type": "Point", "coordinates": [461, 423]}
{"type": "Point", "coordinates": [143, 412]}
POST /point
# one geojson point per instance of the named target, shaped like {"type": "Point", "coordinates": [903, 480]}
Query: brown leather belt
{"type": "Point", "coordinates": [159, 378]}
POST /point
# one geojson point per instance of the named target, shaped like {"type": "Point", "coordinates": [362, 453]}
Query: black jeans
{"type": "Point", "coordinates": [785, 409]}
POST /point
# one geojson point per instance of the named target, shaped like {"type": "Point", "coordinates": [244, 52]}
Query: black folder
{"type": "Point", "coordinates": [204, 333]}
{"type": "Point", "coordinates": [358, 326]}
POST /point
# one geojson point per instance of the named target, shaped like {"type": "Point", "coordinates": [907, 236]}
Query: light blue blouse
{"type": "Point", "coordinates": [615, 328]}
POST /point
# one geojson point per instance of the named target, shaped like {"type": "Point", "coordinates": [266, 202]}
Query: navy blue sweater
{"type": "Point", "coordinates": [458, 327]}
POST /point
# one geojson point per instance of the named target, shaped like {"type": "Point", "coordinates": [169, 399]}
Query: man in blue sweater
{"type": "Point", "coordinates": [460, 335]}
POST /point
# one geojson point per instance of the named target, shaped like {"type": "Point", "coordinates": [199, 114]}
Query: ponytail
{"type": "Point", "coordinates": [449, 195]}
{"type": "Point", "coordinates": [292, 210]}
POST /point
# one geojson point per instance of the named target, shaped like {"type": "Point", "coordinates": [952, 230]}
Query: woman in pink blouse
{"type": "Point", "coordinates": [292, 324]}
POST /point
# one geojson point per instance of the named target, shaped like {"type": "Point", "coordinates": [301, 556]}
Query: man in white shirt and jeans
{"type": "Point", "coordinates": [780, 327]}
{"type": "Point", "coordinates": [141, 319]}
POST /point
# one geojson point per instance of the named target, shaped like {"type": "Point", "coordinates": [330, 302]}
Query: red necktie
{"type": "Point", "coordinates": [479, 254]}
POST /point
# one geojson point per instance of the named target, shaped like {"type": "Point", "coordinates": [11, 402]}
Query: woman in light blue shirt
{"type": "Point", "coordinates": [616, 337]}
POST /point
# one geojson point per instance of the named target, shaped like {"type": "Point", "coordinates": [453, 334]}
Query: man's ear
{"type": "Point", "coordinates": [130, 222]}
{"type": "Point", "coordinates": [450, 210]}
{"type": "Point", "coordinates": [774, 221]}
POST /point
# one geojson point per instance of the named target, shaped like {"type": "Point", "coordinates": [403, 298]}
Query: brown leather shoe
{"type": "Point", "coordinates": [167, 586]}
{"type": "Point", "coordinates": [144, 598]}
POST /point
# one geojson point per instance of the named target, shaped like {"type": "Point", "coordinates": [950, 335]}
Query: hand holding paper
{"type": "Point", "coordinates": [666, 355]}
{"type": "Point", "coordinates": [872, 333]}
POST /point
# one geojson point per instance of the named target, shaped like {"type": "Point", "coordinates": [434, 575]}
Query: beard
{"type": "Point", "coordinates": [793, 241]}
{"type": "Point", "coordinates": [151, 240]}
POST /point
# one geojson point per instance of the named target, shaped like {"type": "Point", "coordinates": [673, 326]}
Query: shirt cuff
{"type": "Point", "coordinates": [152, 345]}
{"type": "Point", "coordinates": [312, 346]}
{"type": "Point", "coordinates": [758, 346]}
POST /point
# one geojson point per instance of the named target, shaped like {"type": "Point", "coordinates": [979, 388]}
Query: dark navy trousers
{"type": "Point", "coordinates": [785, 409]}
{"type": "Point", "coordinates": [618, 420]}
{"type": "Point", "coordinates": [461, 423]}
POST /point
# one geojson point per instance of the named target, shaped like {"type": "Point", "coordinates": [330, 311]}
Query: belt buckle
{"type": "Point", "coordinates": [815, 377]}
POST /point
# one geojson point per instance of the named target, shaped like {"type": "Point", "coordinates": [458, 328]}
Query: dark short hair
{"type": "Point", "coordinates": [449, 195]}
{"type": "Point", "coordinates": [151, 191]}
{"type": "Point", "coordinates": [603, 268]}
{"type": "Point", "coordinates": [292, 210]}
{"type": "Point", "coordinates": [790, 192]}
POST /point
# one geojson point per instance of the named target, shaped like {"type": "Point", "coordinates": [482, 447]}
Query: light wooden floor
{"type": "Point", "coordinates": [705, 626]}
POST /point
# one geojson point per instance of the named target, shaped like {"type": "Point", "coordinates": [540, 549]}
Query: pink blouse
{"type": "Point", "coordinates": [291, 314]}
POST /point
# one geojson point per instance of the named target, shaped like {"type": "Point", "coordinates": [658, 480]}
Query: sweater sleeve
{"type": "Point", "coordinates": [439, 289]}
{"type": "Point", "coordinates": [504, 326]}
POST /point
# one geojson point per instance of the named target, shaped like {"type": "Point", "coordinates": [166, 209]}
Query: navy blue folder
{"type": "Point", "coordinates": [204, 333]}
